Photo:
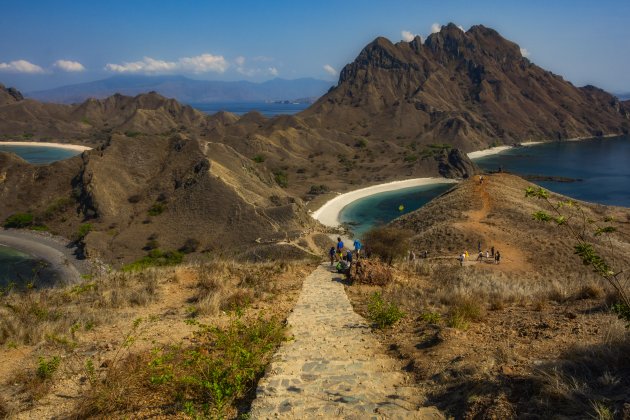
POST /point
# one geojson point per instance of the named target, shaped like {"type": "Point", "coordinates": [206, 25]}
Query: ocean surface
{"type": "Point", "coordinates": [39, 155]}
{"type": "Point", "coordinates": [20, 269]}
{"type": "Point", "coordinates": [378, 209]}
{"type": "Point", "coordinates": [602, 167]}
{"type": "Point", "coordinates": [239, 108]}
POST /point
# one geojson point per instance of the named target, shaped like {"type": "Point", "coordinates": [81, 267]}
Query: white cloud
{"type": "Point", "coordinates": [272, 71]}
{"type": "Point", "coordinates": [21, 66]}
{"type": "Point", "coordinates": [70, 66]}
{"type": "Point", "coordinates": [330, 69]}
{"type": "Point", "coordinates": [199, 64]}
{"type": "Point", "coordinates": [435, 27]}
{"type": "Point", "coordinates": [240, 61]}
{"type": "Point", "coordinates": [407, 36]}
{"type": "Point", "coordinates": [524, 52]}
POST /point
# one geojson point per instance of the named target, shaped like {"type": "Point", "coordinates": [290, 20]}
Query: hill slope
{"type": "Point", "coordinates": [469, 89]}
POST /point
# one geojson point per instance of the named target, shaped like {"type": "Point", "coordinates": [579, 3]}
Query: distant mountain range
{"type": "Point", "coordinates": [186, 90]}
{"type": "Point", "coordinates": [624, 96]}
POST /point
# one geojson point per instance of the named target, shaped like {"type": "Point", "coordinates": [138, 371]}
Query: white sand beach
{"type": "Point", "coordinates": [328, 214]}
{"type": "Point", "coordinates": [76, 147]}
{"type": "Point", "coordinates": [488, 152]}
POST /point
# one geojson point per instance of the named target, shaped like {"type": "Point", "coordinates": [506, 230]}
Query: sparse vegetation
{"type": "Point", "coordinates": [19, 220]}
{"type": "Point", "coordinates": [155, 258]}
{"type": "Point", "coordinates": [259, 158]}
{"type": "Point", "coordinates": [318, 189]}
{"type": "Point", "coordinates": [156, 209]}
{"type": "Point", "coordinates": [383, 314]}
{"type": "Point", "coordinates": [281, 178]}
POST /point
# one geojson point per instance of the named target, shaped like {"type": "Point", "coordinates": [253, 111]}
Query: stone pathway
{"type": "Point", "coordinates": [333, 367]}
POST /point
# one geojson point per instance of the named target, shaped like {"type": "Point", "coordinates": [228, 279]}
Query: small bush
{"type": "Point", "coordinates": [387, 243]}
{"type": "Point", "coordinates": [132, 134]}
{"type": "Point", "coordinates": [281, 178]}
{"type": "Point", "coordinates": [156, 258]}
{"type": "Point", "coordinates": [258, 158]}
{"type": "Point", "coordinates": [156, 209]}
{"type": "Point", "coordinates": [82, 232]}
{"type": "Point", "coordinates": [47, 367]}
{"type": "Point", "coordinates": [431, 317]}
{"type": "Point", "coordinates": [318, 189]}
{"type": "Point", "coordinates": [19, 220]}
{"type": "Point", "coordinates": [383, 314]}
{"type": "Point", "coordinates": [134, 198]}
{"type": "Point", "coordinates": [465, 310]}
{"type": "Point", "coordinates": [189, 246]}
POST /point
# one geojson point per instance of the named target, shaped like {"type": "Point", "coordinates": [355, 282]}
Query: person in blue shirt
{"type": "Point", "coordinates": [357, 247]}
{"type": "Point", "coordinates": [332, 255]}
{"type": "Point", "coordinates": [349, 256]}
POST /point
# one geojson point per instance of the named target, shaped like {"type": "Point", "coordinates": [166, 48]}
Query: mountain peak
{"type": "Point", "coordinates": [9, 95]}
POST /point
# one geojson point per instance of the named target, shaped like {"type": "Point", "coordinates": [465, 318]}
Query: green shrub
{"type": "Point", "coordinates": [57, 206]}
{"type": "Point", "coordinates": [189, 246]}
{"type": "Point", "coordinates": [431, 317]}
{"type": "Point", "coordinates": [156, 209]}
{"type": "Point", "coordinates": [155, 258]}
{"type": "Point", "coordinates": [82, 232]}
{"type": "Point", "coordinates": [132, 134]}
{"type": "Point", "coordinates": [281, 178]}
{"type": "Point", "coordinates": [383, 313]}
{"type": "Point", "coordinates": [258, 158]}
{"type": "Point", "coordinates": [19, 220]}
{"type": "Point", "coordinates": [47, 367]}
{"type": "Point", "coordinates": [464, 311]}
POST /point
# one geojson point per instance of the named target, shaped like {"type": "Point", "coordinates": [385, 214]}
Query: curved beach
{"type": "Point", "coordinates": [76, 147]}
{"type": "Point", "coordinates": [48, 249]}
{"type": "Point", "coordinates": [328, 214]}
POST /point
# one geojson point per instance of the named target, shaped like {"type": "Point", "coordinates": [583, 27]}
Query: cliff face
{"type": "Point", "coordinates": [469, 89]}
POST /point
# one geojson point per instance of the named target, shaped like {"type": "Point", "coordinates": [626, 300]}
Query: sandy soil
{"type": "Point", "coordinates": [44, 144]}
{"type": "Point", "coordinates": [328, 214]}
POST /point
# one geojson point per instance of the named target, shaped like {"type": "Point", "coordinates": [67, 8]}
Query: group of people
{"type": "Point", "coordinates": [490, 255]}
{"type": "Point", "coordinates": [343, 256]}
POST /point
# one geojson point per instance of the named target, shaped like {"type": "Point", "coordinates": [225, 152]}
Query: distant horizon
{"type": "Point", "coordinates": [62, 43]}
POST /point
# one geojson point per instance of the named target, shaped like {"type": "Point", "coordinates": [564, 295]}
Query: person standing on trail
{"type": "Point", "coordinates": [480, 256]}
{"type": "Point", "coordinates": [497, 257]}
{"type": "Point", "coordinates": [357, 248]}
{"type": "Point", "coordinates": [461, 259]}
{"type": "Point", "coordinates": [339, 248]}
{"type": "Point", "coordinates": [466, 254]}
{"type": "Point", "coordinates": [487, 254]}
{"type": "Point", "coordinates": [332, 255]}
{"type": "Point", "coordinates": [349, 256]}
{"type": "Point", "coordinates": [492, 251]}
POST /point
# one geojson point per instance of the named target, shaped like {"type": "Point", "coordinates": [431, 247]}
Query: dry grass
{"type": "Point", "coordinates": [228, 285]}
{"type": "Point", "coordinates": [55, 315]}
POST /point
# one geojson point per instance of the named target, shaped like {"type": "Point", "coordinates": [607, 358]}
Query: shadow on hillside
{"type": "Point", "coordinates": [585, 381]}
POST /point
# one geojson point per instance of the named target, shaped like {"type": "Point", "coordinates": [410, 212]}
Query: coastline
{"type": "Point", "coordinates": [498, 149]}
{"type": "Point", "coordinates": [75, 147]}
{"type": "Point", "coordinates": [328, 213]}
{"type": "Point", "coordinates": [46, 248]}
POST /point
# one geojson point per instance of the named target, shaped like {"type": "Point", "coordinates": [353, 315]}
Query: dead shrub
{"type": "Point", "coordinates": [465, 309]}
{"type": "Point", "coordinates": [372, 272]}
{"type": "Point", "coordinates": [590, 291]}
{"type": "Point", "coordinates": [387, 243]}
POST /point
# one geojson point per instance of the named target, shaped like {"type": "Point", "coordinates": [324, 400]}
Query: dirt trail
{"type": "Point", "coordinates": [333, 367]}
{"type": "Point", "coordinates": [512, 258]}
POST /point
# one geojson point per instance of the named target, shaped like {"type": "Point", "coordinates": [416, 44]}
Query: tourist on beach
{"type": "Point", "coordinates": [332, 255]}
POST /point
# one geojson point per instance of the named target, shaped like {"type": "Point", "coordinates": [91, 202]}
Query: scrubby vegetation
{"type": "Point", "coordinates": [202, 336]}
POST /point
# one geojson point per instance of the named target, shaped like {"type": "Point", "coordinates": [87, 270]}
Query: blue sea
{"type": "Point", "coordinates": [268, 109]}
{"type": "Point", "coordinates": [602, 165]}
{"type": "Point", "coordinates": [39, 155]}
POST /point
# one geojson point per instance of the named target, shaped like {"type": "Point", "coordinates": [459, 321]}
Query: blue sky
{"type": "Point", "coordinates": [51, 43]}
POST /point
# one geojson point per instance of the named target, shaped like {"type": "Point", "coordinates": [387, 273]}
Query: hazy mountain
{"type": "Point", "coordinates": [186, 90]}
{"type": "Point", "coordinates": [624, 96]}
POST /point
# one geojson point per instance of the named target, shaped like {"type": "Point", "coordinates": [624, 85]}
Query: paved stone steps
{"type": "Point", "coordinates": [333, 367]}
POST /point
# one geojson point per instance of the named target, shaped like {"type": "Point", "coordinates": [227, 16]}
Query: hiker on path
{"type": "Point", "coordinates": [492, 251]}
{"type": "Point", "coordinates": [349, 256]}
{"type": "Point", "coordinates": [466, 254]}
{"type": "Point", "coordinates": [461, 259]}
{"type": "Point", "coordinates": [487, 254]}
{"type": "Point", "coordinates": [357, 248]}
{"type": "Point", "coordinates": [497, 257]}
{"type": "Point", "coordinates": [339, 248]}
{"type": "Point", "coordinates": [332, 255]}
{"type": "Point", "coordinates": [480, 256]}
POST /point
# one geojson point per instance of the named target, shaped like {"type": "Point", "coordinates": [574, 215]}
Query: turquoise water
{"type": "Point", "coordinates": [379, 209]}
{"type": "Point", "coordinates": [20, 269]}
{"type": "Point", "coordinates": [39, 155]}
{"type": "Point", "coordinates": [602, 165]}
